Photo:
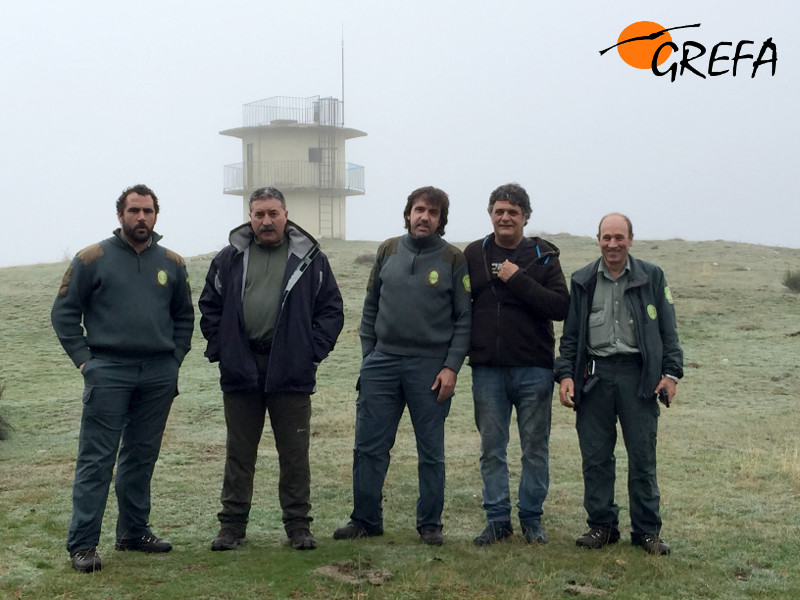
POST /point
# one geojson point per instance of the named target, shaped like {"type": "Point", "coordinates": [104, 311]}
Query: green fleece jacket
{"type": "Point", "coordinates": [119, 305]}
{"type": "Point", "coordinates": [418, 301]}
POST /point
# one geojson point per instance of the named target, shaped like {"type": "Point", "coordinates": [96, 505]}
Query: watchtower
{"type": "Point", "coordinates": [298, 146]}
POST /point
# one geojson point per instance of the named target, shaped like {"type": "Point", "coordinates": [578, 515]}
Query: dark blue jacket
{"type": "Point", "coordinates": [649, 302]}
{"type": "Point", "coordinates": [309, 319]}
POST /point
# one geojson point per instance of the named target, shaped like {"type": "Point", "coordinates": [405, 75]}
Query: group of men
{"type": "Point", "coordinates": [271, 311]}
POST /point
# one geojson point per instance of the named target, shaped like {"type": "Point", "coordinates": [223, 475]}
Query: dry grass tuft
{"type": "Point", "coordinates": [364, 259]}
{"type": "Point", "coordinates": [791, 279]}
{"type": "Point", "coordinates": [790, 464]}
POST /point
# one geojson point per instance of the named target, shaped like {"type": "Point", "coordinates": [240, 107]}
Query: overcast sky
{"type": "Point", "coordinates": [99, 95]}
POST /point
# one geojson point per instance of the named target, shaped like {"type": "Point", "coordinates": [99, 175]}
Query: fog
{"type": "Point", "coordinates": [98, 96]}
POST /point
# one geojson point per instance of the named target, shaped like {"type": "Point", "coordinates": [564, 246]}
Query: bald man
{"type": "Point", "coordinates": [618, 352]}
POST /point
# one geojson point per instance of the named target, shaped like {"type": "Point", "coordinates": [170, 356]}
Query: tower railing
{"type": "Point", "coordinates": [354, 177]}
{"type": "Point", "coordinates": [291, 174]}
{"type": "Point", "coordinates": [308, 111]}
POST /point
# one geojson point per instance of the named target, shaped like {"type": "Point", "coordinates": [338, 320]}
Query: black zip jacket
{"type": "Point", "coordinates": [309, 319]}
{"type": "Point", "coordinates": [512, 322]}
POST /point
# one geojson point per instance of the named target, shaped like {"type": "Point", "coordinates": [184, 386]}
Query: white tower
{"type": "Point", "coordinates": [298, 146]}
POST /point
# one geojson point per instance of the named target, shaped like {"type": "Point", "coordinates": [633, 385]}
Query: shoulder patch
{"type": "Point", "coordinates": [453, 256]}
{"type": "Point", "coordinates": [175, 257]}
{"type": "Point", "coordinates": [62, 290]}
{"type": "Point", "coordinates": [668, 295]}
{"type": "Point", "coordinates": [388, 248]}
{"type": "Point", "coordinates": [90, 254]}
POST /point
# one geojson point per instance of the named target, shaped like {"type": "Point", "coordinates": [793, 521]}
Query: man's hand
{"type": "Point", "coordinates": [670, 385]}
{"type": "Point", "coordinates": [566, 392]}
{"type": "Point", "coordinates": [445, 382]}
{"type": "Point", "coordinates": [507, 269]}
{"type": "Point", "coordinates": [80, 367]}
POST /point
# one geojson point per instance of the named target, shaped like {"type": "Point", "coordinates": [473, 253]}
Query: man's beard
{"type": "Point", "coordinates": [140, 233]}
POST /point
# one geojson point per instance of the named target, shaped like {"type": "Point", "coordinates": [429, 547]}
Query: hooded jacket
{"type": "Point", "coordinates": [649, 302]}
{"type": "Point", "coordinates": [309, 319]}
{"type": "Point", "coordinates": [512, 322]}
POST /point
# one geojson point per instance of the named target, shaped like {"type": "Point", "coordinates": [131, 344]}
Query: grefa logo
{"type": "Point", "coordinates": [648, 45]}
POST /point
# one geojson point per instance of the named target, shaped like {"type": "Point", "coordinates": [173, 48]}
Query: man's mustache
{"type": "Point", "coordinates": [264, 228]}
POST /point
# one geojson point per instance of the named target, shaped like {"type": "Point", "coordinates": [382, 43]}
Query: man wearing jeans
{"type": "Point", "coordinates": [414, 337]}
{"type": "Point", "coordinates": [518, 289]}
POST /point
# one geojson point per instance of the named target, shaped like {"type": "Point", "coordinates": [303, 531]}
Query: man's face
{"type": "Point", "coordinates": [423, 221]}
{"type": "Point", "coordinates": [268, 220]}
{"type": "Point", "coordinates": [508, 221]}
{"type": "Point", "coordinates": [138, 218]}
{"type": "Point", "coordinates": [614, 242]}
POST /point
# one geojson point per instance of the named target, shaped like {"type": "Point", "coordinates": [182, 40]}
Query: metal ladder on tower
{"type": "Point", "coordinates": [327, 180]}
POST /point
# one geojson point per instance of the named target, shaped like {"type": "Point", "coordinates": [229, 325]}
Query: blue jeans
{"type": "Point", "coordinates": [495, 391]}
{"type": "Point", "coordinates": [127, 403]}
{"type": "Point", "coordinates": [387, 384]}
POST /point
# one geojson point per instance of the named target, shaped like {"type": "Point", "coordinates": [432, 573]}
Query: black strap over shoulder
{"type": "Point", "coordinates": [491, 282]}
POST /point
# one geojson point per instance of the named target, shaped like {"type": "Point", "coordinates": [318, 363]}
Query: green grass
{"type": "Point", "coordinates": [729, 463]}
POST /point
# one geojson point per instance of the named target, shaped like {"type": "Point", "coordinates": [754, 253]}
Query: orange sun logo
{"type": "Point", "coordinates": [639, 41]}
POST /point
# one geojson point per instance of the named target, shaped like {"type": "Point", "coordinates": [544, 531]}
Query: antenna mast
{"type": "Point", "coordinates": [342, 72]}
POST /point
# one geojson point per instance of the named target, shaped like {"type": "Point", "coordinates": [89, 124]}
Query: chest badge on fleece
{"type": "Point", "coordinates": [161, 277]}
{"type": "Point", "coordinates": [651, 312]}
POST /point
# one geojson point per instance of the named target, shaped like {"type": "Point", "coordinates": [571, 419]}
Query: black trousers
{"type": "Point", "coordinates": [290, 416]}
{"type": "Point", "coordinates": [615, 397]}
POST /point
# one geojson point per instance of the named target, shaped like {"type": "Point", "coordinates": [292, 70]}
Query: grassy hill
{"type": "Point", "coordinates": [729, 462]}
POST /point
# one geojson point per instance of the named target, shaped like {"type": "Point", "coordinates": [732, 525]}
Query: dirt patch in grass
{"type": "Point", "coordinates": [349, 571]}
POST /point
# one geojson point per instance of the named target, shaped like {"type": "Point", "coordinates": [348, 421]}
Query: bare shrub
{"type": "Point", "coordinates": [5, 427]}
{"type": "Point", "coordinates": [791, 280]}
{"type": "Point", "coordinates": [364, 259]}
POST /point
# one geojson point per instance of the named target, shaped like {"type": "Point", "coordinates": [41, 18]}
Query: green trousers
{"type": "Point", "coordinates": [245, 415]}
{"type": "Point", "coordinates": [615, 397]}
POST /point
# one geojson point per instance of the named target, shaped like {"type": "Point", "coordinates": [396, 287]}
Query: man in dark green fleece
{"type": "Point", "coordinates": [124, 315]}
{"type": "Point", "coordinates": [414, 337]}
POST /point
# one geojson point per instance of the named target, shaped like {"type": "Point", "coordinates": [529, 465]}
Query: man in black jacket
{"type": "Point", "coordinates": [518, 289]}
{"type": "Point", "coordinates": [619, 350]}
{"type": "Point", "coordinates": [271, 312]}
{"type": "Point", "coordinates": [124, 315]}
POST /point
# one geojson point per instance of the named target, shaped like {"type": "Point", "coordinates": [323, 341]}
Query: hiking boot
{"type": "Point", "coordinates": [598, 537]}
{"type": "Point", "coordinates": [86, 560]}
{"type": "Point", "coordinates": [533, 532]}
{"type": "Point", "coordinates": [352, 531]}
{"type": "Point", "coordinates": [494, 532]}
{"type": "Point", "coordinates": [227, 539]}
{"type": "Point", "coordinates": [301, 539]}
{"type": "Point", "coordinates": [652, 544]}
{"type": "Point", "coordinates": [432, 536]}
{"type": "Point", "coordinates": [149, 542]}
